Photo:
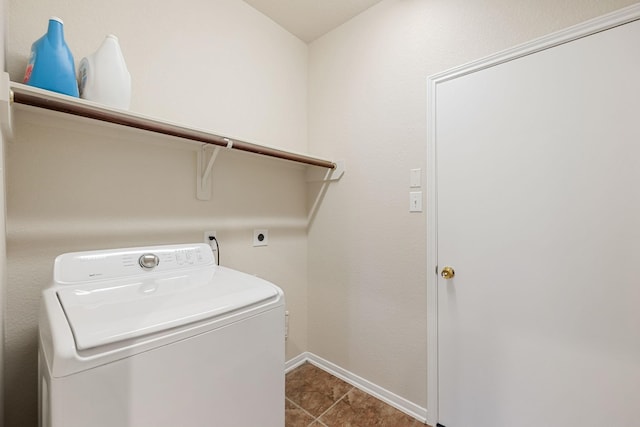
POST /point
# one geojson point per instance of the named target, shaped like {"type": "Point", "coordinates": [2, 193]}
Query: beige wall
{"type": "Point", "coordinates": [3, 247]}
{"type": "Point", "coordinates": [367, 105]}
{"type": "Point", "coordinates": [218, 65]}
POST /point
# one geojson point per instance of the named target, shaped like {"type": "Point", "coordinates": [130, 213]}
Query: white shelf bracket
{"type": "Point", "coordinates": [336, 174]}
{"type": "Point", "coordinates": [317, 175]}
{"type": "Point", "coordinates": [6, 120]}
{"type": "Point", "coordinates": [203, 173]}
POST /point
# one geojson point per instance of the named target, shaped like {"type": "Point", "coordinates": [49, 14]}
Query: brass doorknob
{"type": "Point", "coordinates": [447, 273]}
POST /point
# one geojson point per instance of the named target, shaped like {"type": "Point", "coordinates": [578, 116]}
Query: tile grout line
{"type": "Point", "coordinates": [317, 420]}
{"type": "Point", "coordinates": [300, 407]}
{"type": "Point", "coordinates": [334, 404]}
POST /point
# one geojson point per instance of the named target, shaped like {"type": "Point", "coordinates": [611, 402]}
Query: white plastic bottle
{"type": "Point", "coordinates": [103, 76]}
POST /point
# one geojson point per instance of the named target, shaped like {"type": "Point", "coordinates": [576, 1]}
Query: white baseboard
{"type": "Point", "coordinates": [292, 364]}
{"type": "Point", "coordinates": [376, 391]}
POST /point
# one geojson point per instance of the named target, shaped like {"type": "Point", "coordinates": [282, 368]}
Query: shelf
{"type": "Point", "coordinates": [16, 93]}
{"type": "Point", "coordinates": [28, 95]}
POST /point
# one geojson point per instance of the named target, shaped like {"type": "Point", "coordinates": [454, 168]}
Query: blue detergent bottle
{"type": "Point", "coordinates": [51, 63]}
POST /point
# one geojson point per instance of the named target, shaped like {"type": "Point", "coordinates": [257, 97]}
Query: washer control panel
{"type": "Point", "coordinates": [116, 263]}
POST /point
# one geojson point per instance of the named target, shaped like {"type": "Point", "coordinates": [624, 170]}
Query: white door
{"type": "Point", "coordinates": [538, 213]}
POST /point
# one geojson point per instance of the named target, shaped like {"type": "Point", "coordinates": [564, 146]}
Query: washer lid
{"type": "Point", "coordinates": [108, 312]}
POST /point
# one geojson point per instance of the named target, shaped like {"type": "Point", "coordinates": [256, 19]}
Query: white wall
{"type": "Point", "coordinates": [217, 65]}
{"type": "Point", "coordinates": [73, 186]}
{"type": "Point", "coordinates": [367, 105]}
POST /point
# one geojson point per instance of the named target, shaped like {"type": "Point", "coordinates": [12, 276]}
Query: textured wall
{"type": "Point", "coordinates": [367, 105]}
{"type": "Point", "coordinates": [3, 248]}
{"type": "Point", "coordinates": [74, 186]}
{"type": "Point", "coordinates": [215, 65]}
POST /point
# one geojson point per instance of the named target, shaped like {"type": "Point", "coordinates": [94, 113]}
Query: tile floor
{"type": "Point", "coordinates": [316, 398]}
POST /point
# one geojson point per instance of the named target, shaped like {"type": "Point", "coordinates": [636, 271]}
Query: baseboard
{"type": "Point", "coordinates": [296, 361]}
{"type": "Point", "coordinates": [383, 394]}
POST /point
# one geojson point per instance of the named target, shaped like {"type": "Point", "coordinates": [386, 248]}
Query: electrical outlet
{"type": "Point", "coordinates": [208, 239]}
{"type": "Point", "coordinates": [260, 237]}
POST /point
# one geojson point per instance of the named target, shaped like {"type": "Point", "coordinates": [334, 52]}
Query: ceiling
{"type": "Point", "coordinates": [309, 19]}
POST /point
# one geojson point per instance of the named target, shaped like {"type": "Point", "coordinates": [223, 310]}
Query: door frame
{"type": "Point", "coordinates": [603, 23]}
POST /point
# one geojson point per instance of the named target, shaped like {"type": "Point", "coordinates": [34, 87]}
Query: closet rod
{"type": "Point", "coordinates": [21, 96]}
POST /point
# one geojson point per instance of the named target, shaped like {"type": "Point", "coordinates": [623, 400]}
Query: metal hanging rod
{"type": "Point", "coordinates": [27, 95]}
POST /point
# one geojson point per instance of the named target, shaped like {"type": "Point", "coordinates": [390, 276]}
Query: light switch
{"type": "Point", "coordinates": [415, 201]}
{"type": "Point", "coordinates": [415, 180]}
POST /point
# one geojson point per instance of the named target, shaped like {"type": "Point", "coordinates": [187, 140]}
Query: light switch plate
{"type": "Point", "coordinates": [415, 180]}
{"type": "Point", "coordinates": [415, 201]}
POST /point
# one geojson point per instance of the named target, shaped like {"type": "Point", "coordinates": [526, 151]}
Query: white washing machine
{"type": "Point", "coordinates": [159, 337]}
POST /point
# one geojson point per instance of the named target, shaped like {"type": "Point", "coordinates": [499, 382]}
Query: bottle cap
{"type": "Point", "coordinates": [55, 18]}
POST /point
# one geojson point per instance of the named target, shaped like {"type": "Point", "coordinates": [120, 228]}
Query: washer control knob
{"type": "Point", "coordinates": [148, 261]}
